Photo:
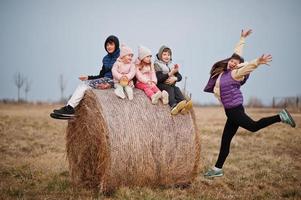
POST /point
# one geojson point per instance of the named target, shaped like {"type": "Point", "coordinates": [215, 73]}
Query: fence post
{"type": "Point", "coordinates": [297, 103]}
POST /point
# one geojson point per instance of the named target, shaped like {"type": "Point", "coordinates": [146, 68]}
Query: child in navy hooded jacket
{"type": "Point", "coordinates": [102, 81]}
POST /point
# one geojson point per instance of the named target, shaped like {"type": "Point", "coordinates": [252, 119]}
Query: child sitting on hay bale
{"type": "Point", "coordinates": [146, 77]}
{"type": "Point", "coordinates": [123, 72]}
{"type": "Point", "coordinates": [102, 81]}
{"type": "Point", "coordinates": [167, 75]}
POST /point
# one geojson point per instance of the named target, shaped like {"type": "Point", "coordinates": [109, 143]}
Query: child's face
{"type": "Point", "coordinates": [127, 59]}
{"type": "Point", "coordinates": [232, 63]}
{"type": "Point", "coordinates": [165, 57]}
{"type": "Point", "coordinates": [147, 59]}
{"type": "Point", "coordinates": [110, 47]}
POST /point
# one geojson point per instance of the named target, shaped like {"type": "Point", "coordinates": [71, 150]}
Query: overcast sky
{"type": "Point", "coordinates": [45, 38]}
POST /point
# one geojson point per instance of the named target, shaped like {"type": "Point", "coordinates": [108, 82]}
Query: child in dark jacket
{"type": "Point", "coordinates": [168, 74]}
{"type": "Point", "coordinates": [102, 81]}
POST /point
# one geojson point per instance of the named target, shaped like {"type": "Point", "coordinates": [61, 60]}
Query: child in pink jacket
{"type": "Point", "coordinates": [123, 72]}
{"type": "Point", "coordinates": [146, 77]}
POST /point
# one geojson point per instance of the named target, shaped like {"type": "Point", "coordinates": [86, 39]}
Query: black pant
{"type": "Point", "coordinates": [175, 94]}
{"type": "Point", "coordinates": [236, 117]}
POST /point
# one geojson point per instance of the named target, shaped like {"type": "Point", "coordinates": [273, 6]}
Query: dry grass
{"type": "Point", "coordinates": [265, 165]}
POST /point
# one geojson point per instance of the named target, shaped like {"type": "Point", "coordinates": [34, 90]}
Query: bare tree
{"type": "Point", "coordinates": [255, 102]}
{"type": "Point", "coordinates": [19, 82]}
{"type": "Point", "coordinates": [63, 84]}
{"type": "Point", "coordinates": [27, 88]}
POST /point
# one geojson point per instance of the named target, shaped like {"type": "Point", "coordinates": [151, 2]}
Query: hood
{"type": "Point", "coordinates": [112, 38]}
{"type": "Point", "coordinates": [159, 54]}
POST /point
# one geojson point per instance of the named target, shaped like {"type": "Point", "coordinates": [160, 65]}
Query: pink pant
{"type": "Point", "coordinates": [149, 90]}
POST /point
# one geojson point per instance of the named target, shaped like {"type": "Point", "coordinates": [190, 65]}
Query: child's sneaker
{"type": "Point", "coordinates": [67, 111]}
{"type": "Point", "coordinates": [214, 173]}
{"type": "Point", "coordinates": [287, 118]}
{"type": "Point", "coordinates": [119, 92]}
{"type": "Point", "coordinates": [155, 98]}
{"type": "Point", "coordinates": [187, 107]}
{"type": "Point", "coordinates": [164, 97]}
{"type": "Point", "coordinates": [129, 92]}
{"type": "Point", "coordinates": [176, 109]}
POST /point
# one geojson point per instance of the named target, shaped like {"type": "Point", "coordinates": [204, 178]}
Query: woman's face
{"type": "Point", "coordinates": [110, 47]}
{"type": "Point", "coordinates": [232, 63]}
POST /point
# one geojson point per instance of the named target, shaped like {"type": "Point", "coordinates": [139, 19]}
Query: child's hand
{"type": "Point", "coordinates": [106, 86]}
{"type": "Point", "coordinates": [100, 86]}
{"type": "Point", "coordinates": [245, 33]}
{"type": "Point", "coordinates": [174, 70]}
{"type": "Point", "coordinates": [151, 83]}
{"type": "Point", "coordinates": [103, 86]}
{"type": "Point", "coordinates": [265, 59]}
{"type": "Point", "coordinates": [83, 78]}
{"type": "Point", "coordinates": [171, 80]}
{"type": "Point", "coordinates": [124, 78]}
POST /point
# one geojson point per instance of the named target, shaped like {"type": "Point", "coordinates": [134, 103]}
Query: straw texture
{"type": "Point", "coordinates": [114, 142]}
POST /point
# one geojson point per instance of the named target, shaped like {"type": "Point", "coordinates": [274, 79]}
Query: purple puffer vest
{"type": "Point", "coordinates": [231, 95]}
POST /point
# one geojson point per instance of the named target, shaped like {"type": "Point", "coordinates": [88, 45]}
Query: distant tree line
{"type": "Point", "coordinates": [23, 83]}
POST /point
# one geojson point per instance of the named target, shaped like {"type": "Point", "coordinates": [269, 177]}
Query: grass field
{"type": "Point", "coordinates": [264, 165]}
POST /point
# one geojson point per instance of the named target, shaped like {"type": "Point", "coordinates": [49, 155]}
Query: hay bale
{"type": "Point", "coordinates": [116, 142]}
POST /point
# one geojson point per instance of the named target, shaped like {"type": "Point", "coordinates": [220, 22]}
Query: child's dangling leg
{"type": "Point", "coordinates": [187, 108]}
{"type": "Point", "coordinates": [78, 94]}
{"type": "Point", "coordinates": [76, 97]}
{"type": "Point", "coordinates": [157, 94]}
{"type": "Point", "coordinates": [164, 97]}
{"type": "Point", "coordinates": [129, 92]}
{"type": "Point", "coordinates": [119, 91]}
{"type": "Point", "coordinates": [161, 95]}
{"type": "Point", "coordinates": [154, 95]}
{"type": "Point", "coordinates": [179, 98]}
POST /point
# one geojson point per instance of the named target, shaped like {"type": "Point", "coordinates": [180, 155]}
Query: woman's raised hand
{"type": "Point", "coordinates": [245, 33]}
{"type": "Point", "coordinates": [265, 59]}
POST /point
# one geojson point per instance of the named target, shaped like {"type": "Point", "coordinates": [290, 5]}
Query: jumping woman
{"type": "Point", "coordinates": [226, 78]}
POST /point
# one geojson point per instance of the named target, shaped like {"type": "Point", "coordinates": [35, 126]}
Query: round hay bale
{"type": "Point", "coordinates": [114, 142]}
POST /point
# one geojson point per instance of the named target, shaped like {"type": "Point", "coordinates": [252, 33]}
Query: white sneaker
{"type": "Point", "coordinates": [129, 92]}
{"type": "Point", "coordinates": [165, 97]}
{"type": "Point", "coordinates": [119, 92]}
{"type": "Point", "coordinates": [155, 98]}
{"type": "Point", "coordinates": [214, 173]}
